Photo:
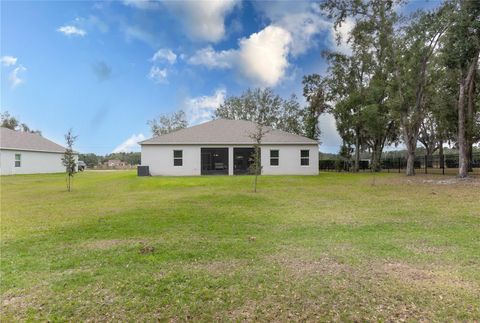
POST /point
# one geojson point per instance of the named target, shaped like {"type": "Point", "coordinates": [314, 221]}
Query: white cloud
{"type": "Point", "coordinates": [142, 4]}
{"type": "Point", "coordinates": [203, 20]}
{"type": "Point", "coordinates": [262, 57]}
{"type": "Point", "coordinates": [302, 19]}
{"type": "Point", "coordinates": [137, 33]}
{"type": "Point", "coordinates": [200, 109]}
{"type": "Point", "coordinates": [70, 30]}
{"type": "Point", "coordinates": [8, 60]}
{"type": "Point", "coordinates": [164, 54]}
{"type": "Point", "coordinates": [210, 58]}
{"type": "Point", "coordinates": [158, 75]}
{"type": "Point", "coordinates": [15, 76]}
{"type": "Point", "coordinates": [131, 144]}
{"type": "Point", "coordinates": [91, 23]}
{"type": "Point", "coordinates": [344, 32]}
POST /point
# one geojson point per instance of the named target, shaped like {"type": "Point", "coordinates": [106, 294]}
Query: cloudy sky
{"type": "Point", "coordinates": [105, 68]}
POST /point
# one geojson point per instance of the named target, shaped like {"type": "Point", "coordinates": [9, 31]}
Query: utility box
{"type": "Point", "coordinates": [143, 171]}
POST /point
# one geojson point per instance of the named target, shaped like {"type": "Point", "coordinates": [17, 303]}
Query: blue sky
{"type": "Point", "coordinates": [105, 68]}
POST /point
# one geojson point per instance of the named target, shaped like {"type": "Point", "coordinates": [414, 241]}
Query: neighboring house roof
{"type": "Point", "coordinates": [19, 140]}
{"type": "Point", "coordinates": [113, 161]}
{"type": "Point", "coordinates": [223, 131]}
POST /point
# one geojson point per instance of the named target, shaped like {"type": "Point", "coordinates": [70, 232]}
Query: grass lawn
{"type": "Point", "coordinates": [333, 246]}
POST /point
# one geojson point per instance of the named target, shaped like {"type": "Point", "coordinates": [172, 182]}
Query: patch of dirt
{"type": "Point", "coordinates": [102, 244]}
{"type": "Point", "coordinates": [443, 180]}
{"type": "Point", "coordinates": [218, 268]}
{"type": "Point", "coordinates": [408, 273]}
{"type": "Point", "coordinates": [272, 309]}
{"type": "Point", "coordinates": [325, 265]}
{"type": "Point", "coordinates": [16, 300]}
{"type": "Point", "coordinates": [470, 181]}
{"type": "Point", "coordinates": [403, 312]}
{"type": "Point", "coordinates": [16, 304]}
{"type": "Point", "coordinates": [244, 313]}
{"type": "Point", "coordinates": [377, 280]}
{"type": "Point", "coordinates": [108, 244]}
{"type": "Point", "coordinates": [145, 249]}
{"type": "Point", "coordinates": [430, 278]}
{"type": "Point", "coordinates": [426, 249]}
{"type": "Point", "coordinates": [318, 308]}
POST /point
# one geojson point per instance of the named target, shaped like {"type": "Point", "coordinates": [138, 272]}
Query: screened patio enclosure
{"type": "Point", "coordinates": [242, 159]}
{"type": "Point", "coordinates": [214, 161]}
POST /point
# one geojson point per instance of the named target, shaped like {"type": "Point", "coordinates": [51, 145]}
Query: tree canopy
{"type": "Point", "coordinates": [166, 123]}
{"type": "Point", "coordinates": [407, 79]}
{"type": "Point", "coordinates": [10, 122]}
{"type": "Point", "coordinates": [265, 107]}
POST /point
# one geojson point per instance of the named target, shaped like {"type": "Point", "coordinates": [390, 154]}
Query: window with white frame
{"type": "Point", "coordinates": [304, 157]}
{"type": "Point", "coordinates": [18, 160]}
{"type": "Point", "coordinates": [274, 157]}
{"type": "Point", "coordinates": [178, 158]}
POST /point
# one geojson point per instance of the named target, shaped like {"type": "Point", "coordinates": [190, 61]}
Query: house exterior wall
{"type": "Point", "coordinates": [32, 162]}
{"type": "Point", "coordinates": [289, 160]}
{"type": "Point", "coordinates": [159, 158]}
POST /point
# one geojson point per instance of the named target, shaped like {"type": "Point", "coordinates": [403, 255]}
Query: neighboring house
{"type": "Point", "coordinates": [28, 153]}
{"type": "Point", "coordinates": [225, 147]}
{"type": "Point", "coordinates": [114, 163]}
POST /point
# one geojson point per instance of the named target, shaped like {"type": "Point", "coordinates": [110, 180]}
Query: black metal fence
{"type": "Point", "coordinates": [341, 165]}
{"type": "Point", "coordinates": [436, 164]}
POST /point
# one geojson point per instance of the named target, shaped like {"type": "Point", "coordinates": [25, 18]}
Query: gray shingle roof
{"type": "Point", "coordinates": [18, 140]}
{"type": "Point", "coordinates": [223, 131]}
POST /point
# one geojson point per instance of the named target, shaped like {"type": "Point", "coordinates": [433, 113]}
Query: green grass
{"type": "Point", "coordinates": [316, 248]}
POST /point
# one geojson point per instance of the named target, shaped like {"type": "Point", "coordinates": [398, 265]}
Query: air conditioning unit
{"type": "Point", "coordinates": [143, 171]}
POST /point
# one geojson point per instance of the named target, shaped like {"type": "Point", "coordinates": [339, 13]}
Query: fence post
{"type": "Point", "coordinates": [399, 165]}
{"type": "Point", "coordinates": [426, 163]}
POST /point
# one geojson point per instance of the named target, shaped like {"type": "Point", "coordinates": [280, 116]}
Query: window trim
{"type": "Point", "coordinates": [277, 158]}
{"type": "Point", "coordinates": [305, 158]}
{"type": "Point", "coordinates": [18, 160]}
{"type": "Point", "coordinates": [178, 158]}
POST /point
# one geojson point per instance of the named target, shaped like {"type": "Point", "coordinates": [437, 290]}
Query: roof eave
{"type": "Point", "coordinates": [223, 143]}
{"type": "Point", "coordinates": [37, 150]}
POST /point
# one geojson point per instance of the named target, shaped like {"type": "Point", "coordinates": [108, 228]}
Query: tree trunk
{"type": "Point", "coordinates": [357, 152]}
{"type": "Point", "coordinates": [411, 143]}
{"type": "Point", "coordinates": [430, 150]}
{"type": "Point", "coordinates": [410, 171]}
{"type": "Point", "coordinates": [377, 157]}
{"type": "Point", "coordinates": [470, 120]}
{"type": "Point", "coordinates": [462, 145]}
{"type": "Point", "coordinates": [440, 154]}
{"type": "Point", "coordinates": [373, 160]}
{"type": "Point", "coordinates": [462, 123]}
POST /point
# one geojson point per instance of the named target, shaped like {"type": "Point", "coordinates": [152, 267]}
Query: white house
{"type": "Point", "coordinates": [28, 153]}
{"type": "Point", "coordinates": [225, 147]}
